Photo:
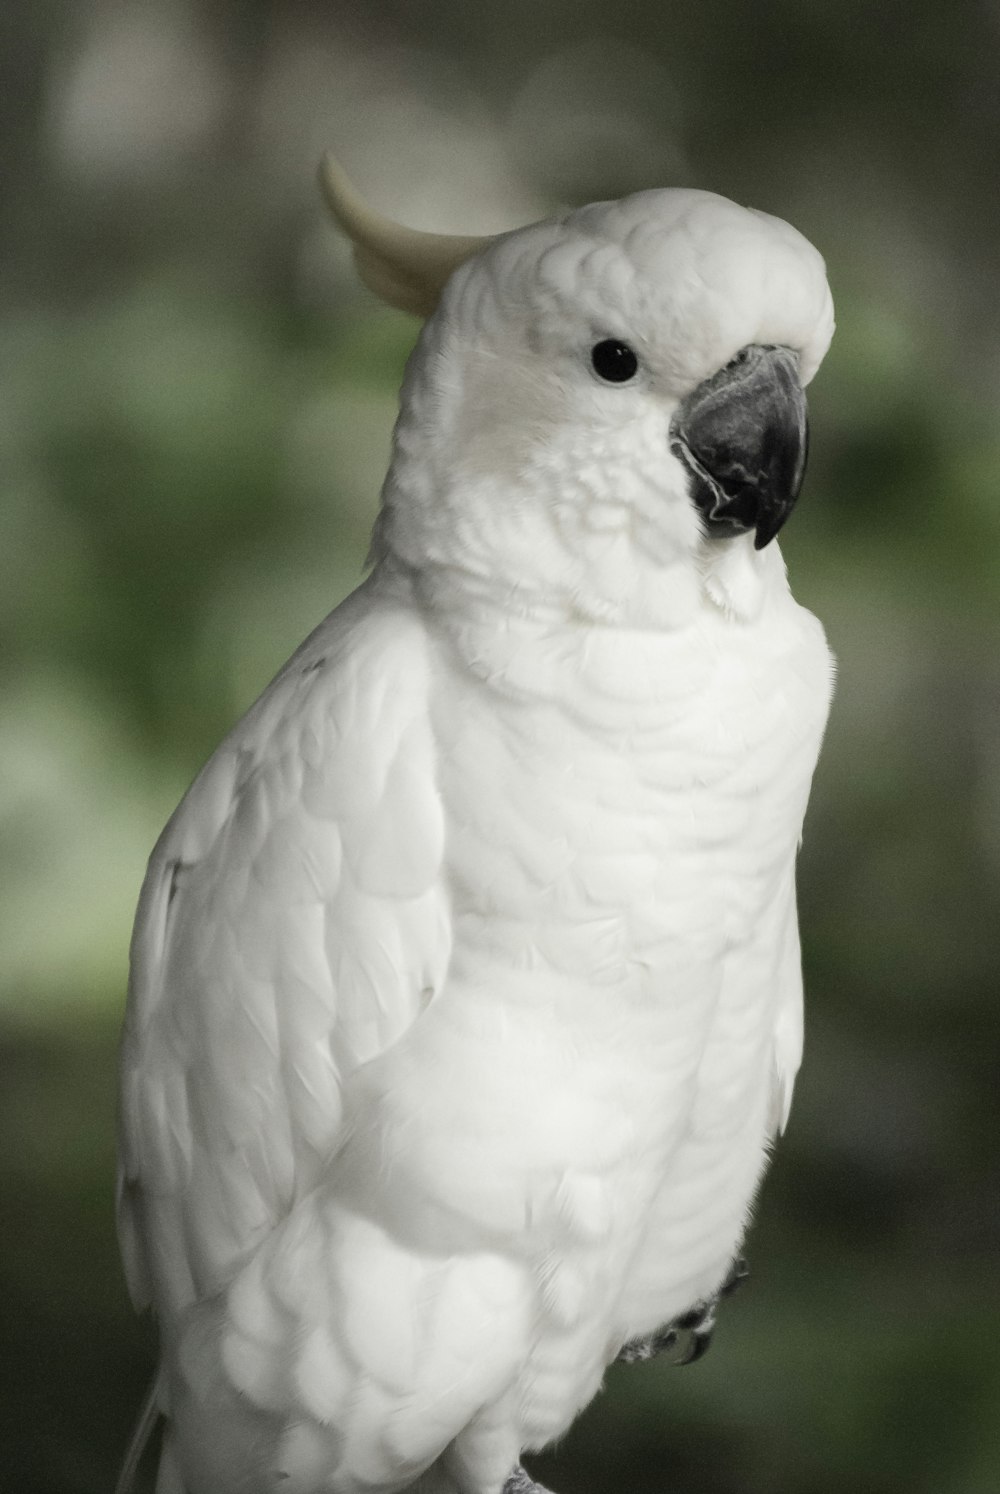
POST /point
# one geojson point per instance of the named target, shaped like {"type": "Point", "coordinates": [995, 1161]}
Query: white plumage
{"type": "Point", "coordinates": [466, 992]}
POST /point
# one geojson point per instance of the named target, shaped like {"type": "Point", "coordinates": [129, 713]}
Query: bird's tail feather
{"type": "Point", "coordinates": [144, 1426]}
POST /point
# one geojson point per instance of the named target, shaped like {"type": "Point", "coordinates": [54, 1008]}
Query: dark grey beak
{"type": "Point", "coordinates": [743, 435]}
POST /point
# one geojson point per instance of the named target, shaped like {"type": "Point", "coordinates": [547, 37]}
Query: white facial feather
{"type": "Point", "coordinates": [515, 464]}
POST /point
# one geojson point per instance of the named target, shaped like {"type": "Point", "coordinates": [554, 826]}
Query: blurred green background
{"type": "Point", "coordinates": [195, 407]}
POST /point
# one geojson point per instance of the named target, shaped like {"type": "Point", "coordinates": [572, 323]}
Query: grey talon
{"type": "Point", "coordinates": [698, 1322]}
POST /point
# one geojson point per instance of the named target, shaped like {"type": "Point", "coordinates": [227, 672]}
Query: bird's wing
{"type": "Point", "coordinates": [788, 1027]}
{"type": "Point", "coordinates": [292, 924]}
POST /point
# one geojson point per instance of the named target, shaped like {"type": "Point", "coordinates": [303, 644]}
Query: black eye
{"type": "Point", "coordinates": [614, 361]}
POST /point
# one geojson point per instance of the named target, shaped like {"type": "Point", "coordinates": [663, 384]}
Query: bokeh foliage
{"type": "Point", "coordinates": [196, 404]}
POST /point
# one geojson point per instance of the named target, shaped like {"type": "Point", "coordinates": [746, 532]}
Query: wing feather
{"type": "Point", "coordinates": [292, 925]}
{"type": "Point", "coordinates": [788, 1026]}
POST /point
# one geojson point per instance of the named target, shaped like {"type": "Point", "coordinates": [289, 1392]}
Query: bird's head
{"type": "Point", "coordinates": [601, 407]}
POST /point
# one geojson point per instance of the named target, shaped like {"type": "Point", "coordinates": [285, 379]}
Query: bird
{"type": "Point", "coordinates": [465, 1000]}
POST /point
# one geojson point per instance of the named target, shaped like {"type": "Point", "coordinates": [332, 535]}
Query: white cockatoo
{"type": "Point", "coordinates": [466, 986]}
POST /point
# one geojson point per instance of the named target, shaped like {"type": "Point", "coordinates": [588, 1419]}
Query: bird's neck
{"type": "Point", "coordinates": [523, 573]}
{"type": "Point", "coordinates": [526, 644]}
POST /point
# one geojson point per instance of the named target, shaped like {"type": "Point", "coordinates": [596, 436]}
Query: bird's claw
{"type": "Point", "coordinates": [697, 1325]}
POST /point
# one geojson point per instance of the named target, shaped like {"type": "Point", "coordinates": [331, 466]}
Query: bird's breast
{"type": "Point", "coordinates": [586, 1091]}
{"type": "Point", "coordinates": [618, 857]}
{"type": "Point", "coordinates": [620, 804]}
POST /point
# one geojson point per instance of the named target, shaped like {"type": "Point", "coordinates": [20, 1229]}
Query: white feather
{"type": "Point", "coordinates": [465, 988]}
